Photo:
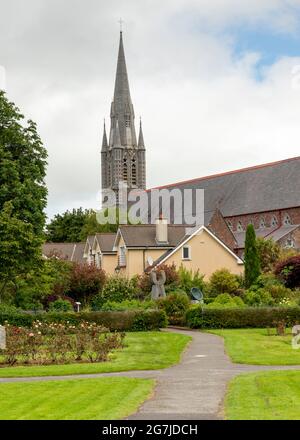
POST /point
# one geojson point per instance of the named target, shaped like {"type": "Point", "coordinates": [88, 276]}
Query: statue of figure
{"type": "Point", "coordinates": [158, 280]}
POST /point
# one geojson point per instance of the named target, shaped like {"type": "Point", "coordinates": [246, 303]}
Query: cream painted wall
{"type": "Point", "coordinates": [109, 263]}
{"type": "Point", "coordinates": [207, 256]}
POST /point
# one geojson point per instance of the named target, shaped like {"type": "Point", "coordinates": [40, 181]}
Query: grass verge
{"type": "Point", "coordinates": [273, 395]}
{"type": "Point", "coordinates": [256, 347]}
{"type": "Point", "coordinates": [84, 399]}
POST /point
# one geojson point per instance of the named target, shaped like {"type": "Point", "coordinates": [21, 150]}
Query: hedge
{"type": "Point", "coordinates": [250, 317]}
{"type": "Point", "coordinates": [130, 320]}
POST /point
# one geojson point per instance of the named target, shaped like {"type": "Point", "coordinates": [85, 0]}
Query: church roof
{"type": "Point", "coordinates": [275, 234]}
{"type": "Point", "coordinates": [255, 189]}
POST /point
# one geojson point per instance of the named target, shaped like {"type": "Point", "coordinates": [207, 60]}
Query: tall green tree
{"type": "Point", "coordinates": [22, 167]}
{"type": "Point", "coordinates": [252, 262]}
{"type": "Point", "coordinates": [67, 227]}
{"type": "Point", "coordinates": [23, 193]}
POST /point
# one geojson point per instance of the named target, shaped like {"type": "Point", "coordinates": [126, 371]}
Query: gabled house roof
{"type": "Point", "coordinates": [144, 236]}
{"type": "Point", "coordinates": [64, 251]}
{"type": "Point", "coordinates": [106, 242]}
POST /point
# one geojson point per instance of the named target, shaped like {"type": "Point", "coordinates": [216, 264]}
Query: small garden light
{"type": "Point", "coordinates": [78, 304]}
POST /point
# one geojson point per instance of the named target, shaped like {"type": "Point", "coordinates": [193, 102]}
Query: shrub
{"type": "Point", "coordinates": [144, 284]}
{"type": "Point", "coordinates": [48, 300]}
{"type": "Point", "coordinates": [128, 305]}
{"type": "Point", "coordinates": [115, 321]}
{"type": "Point", "coordinates": [268, 252]}
{"type": "Point", "coordinates": [226, 300]}
{"type": "Point", "coordinates": [175, 305]}
{"type": "Point", "coordinates": [288, 271]}
{"type": "Point", "coordinates": [258, 298]}
{"type": "Point", "coordinates": [172, 277]}
{"type": "Point", "coordinates": [249, 317]}
{"type": "Point", "coordinates": [118, 289]}
{"type": "Point", "coordinates": [85, 282]}
{"type": "Point", "coordinates": [60, 305]}
{"type": "Point", "coordinates": [222, 281]}
{"type": "Point", "coordinates": [189, 279]}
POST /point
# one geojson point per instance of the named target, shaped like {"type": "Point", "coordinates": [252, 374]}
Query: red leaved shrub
{"type": "Point", "coordinates": [288, 271]}
{"type": "Point", "coordinates": [85, 282]}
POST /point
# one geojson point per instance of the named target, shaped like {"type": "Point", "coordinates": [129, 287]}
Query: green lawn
{"type": "Point", "coordinates": [143, 351]}
{"type": "Point", "coordinates": [264, 396]}
{"type": "Point", "coordinates": [254, 346]}
{"type": "Point", "coordinates": [84, 399]}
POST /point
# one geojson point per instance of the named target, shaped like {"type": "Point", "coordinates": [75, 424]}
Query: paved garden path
{"type": "Point", "coordinates": [193, 389]}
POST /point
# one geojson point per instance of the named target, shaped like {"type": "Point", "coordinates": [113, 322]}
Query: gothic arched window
{"type": "Point", "coordinates": [229, 224]}
{"type": "Point", "coordinates": [262, 223]}
{"type": "Point", "coordinates": [239, 227]}
{"type": "Point", "coordinates": [125, 173]}
{"type": "Point", "coordinates": [287, 220]}
{"type": "Point", "coordinates": [274, 221]}
{"type": "Point", "coordinates": [133, 172]}
{"type": "Point", "coordinates": [127, 121]}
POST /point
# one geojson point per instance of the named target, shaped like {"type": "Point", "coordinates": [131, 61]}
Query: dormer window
{"type": "Point", "coordinates": [287, 220]}
{"type": "Point", "coordinates": [229, 224]}
{"type": "Point", "coordinates": [239, 227]}
{"type": "Point", "coordinates": [262, 223]}
{"type": "Point", "coordinates": [274, 221]}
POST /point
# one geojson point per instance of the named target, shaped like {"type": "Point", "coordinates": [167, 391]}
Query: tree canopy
{"type": "Point", "coordinates": [23, 193]}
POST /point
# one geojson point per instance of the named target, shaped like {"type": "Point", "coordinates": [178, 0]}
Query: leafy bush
{"type": "Point", "coordinates": [118, 289]}
{"type": "Point", "coordinates": [258, 298]}
{"type": "Point", "coordinates": [223, 281]}
{"type": "Point", "coordinates": [115, 321]}
{"type": "Point", "coordinates": [60, 305]}
{"type": "Point", "coordinates": [189, 279]}
{"type": "Point", "coordinates": [48, 300]}
{"type": "Point", "coordinates": [85, 282]}
{"type": "Point", "coordinates": [144, 284]}
{"type": "Point", "coordinates": [132, 304]}
{"type": "Point", "coordinates": [249, 317]}
{"type": "Point", "coordinates": [175, 305]}
{"type": "Point", "coordinates": [288, 271]}
{"type": "Point", "coordinates": [172, 277]}
{"type": "Point", "coordinates": [226, 300]}
{"type": "Point", "coordinates": [268, 252]}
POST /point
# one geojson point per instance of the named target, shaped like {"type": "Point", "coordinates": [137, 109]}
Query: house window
{"type": "Point", "coordinates": [122, 256]}
{"type": "Point", "coordinates": [274, 221]}
{"type": "Point", "coordinates": [186, 253]}
{"type": "Point", "coordinates": [239, 227]}
{"type": "Point", "coordinates": [262, 223]}
{"type": "Point", "coordinates": [287, 220]}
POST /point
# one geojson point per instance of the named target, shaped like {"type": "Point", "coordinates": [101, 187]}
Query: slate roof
{"type": "Point", "coordinates": [106, 241]}
{"type": "Point", "coordinates": [144, 235]}
{"type": "Point", "coordinates": [65, 251]}
{"type": "Point", "coordinates": [256, 189]}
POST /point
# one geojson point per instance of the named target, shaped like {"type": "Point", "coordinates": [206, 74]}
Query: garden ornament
{"type": "Point", "coordinates": [158, 280]}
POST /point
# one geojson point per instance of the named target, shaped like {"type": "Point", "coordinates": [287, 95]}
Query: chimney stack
{"type": "Point", "coordinates": [161, 230]}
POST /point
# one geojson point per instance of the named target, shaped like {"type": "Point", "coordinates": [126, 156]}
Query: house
{"type": "Point", "coordinates": [99, 251]}
{"type": "Point", "coordinates": [144, 247]}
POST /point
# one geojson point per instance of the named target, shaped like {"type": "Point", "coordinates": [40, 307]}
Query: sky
{"type": "Point", "coordinates": [216, 82]}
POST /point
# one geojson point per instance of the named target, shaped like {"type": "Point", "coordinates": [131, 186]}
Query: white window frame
{"type": "Point", "coordinates": [190, 253]}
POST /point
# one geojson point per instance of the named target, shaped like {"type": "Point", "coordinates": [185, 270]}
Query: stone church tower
{"type": "Point", "coordinates": [122, 157]}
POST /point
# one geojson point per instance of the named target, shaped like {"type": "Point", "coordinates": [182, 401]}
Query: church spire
{"type": "Point", "coordinates": [117, 137]}
{"type": "Point", "coordinates": [104, 140]}
{"type": "Point", "coordinates": [141, 144]}
{"type": "Point", "coordinates": [122, 108]}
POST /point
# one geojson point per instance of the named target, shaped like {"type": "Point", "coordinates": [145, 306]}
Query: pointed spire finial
{"type": "Point", "coordinates": [141, 143]}
{"type": "Point", "coordinates": [104, 141]}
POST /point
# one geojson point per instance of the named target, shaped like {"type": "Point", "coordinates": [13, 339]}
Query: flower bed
{"type": "Point", "coordinates": [56, 343]}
